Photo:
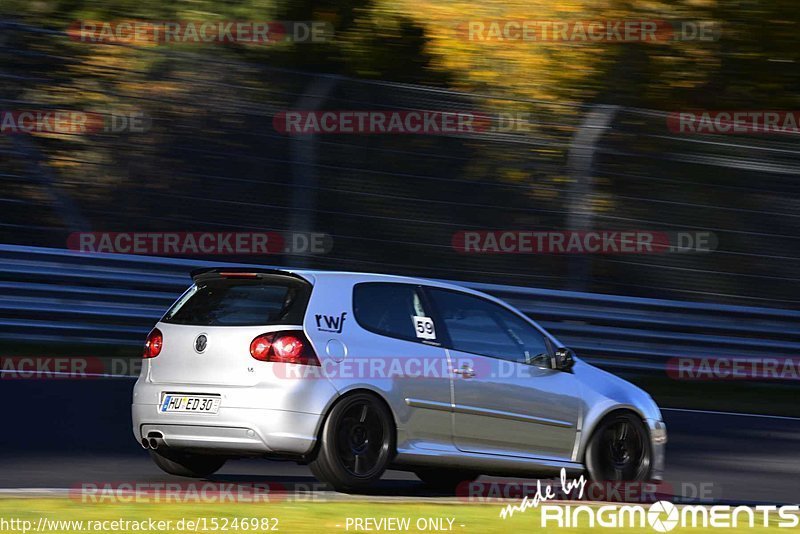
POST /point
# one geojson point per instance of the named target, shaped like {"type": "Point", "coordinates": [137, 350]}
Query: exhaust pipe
{"type": "Point", "coordinates": [154, 441]}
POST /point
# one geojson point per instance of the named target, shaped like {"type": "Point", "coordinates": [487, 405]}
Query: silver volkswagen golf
{"type": "Point", "coordinates": [355, 373]}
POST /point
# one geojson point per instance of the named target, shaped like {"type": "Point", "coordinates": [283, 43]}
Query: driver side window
{"type": "Point", "coordinates": [482, 327]}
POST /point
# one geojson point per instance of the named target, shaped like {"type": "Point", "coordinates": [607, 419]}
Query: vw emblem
{"type": "Point", "coordinates": [200, 343]}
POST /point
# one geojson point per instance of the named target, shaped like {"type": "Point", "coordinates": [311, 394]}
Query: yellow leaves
{"type": "Point", "coordinates": [601, 203]}
{"type": "Point", "coordinates": [515, 175]}
{"type": "Point", "coordinates": [529, 67]}
{"type": "Point", "coordinates": [543, 193]}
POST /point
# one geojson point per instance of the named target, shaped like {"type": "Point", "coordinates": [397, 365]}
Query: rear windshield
{"type": "Point", "coordinates": [227, 302]}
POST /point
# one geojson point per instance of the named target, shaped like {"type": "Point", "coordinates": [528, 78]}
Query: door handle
{"type": "Point", "coordinates": [465, 371]}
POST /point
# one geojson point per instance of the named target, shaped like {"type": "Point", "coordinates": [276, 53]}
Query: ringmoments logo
{"type": "Point", "coordinates": [660, 516]}
{"type": "Point", "coordinates": [663, 516]}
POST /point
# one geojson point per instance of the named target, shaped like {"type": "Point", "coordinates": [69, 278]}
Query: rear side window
{"type": "Point", "coordinates": [226, 302]}
{"type": "Point", "coordinates": [394, 310]}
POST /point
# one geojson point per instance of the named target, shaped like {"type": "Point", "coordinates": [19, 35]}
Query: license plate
{"type": "Point", "coordinates": [189, 403]}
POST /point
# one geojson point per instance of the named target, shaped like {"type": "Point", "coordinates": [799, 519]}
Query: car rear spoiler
{"type": "Point", "coordinates": [256, 273]}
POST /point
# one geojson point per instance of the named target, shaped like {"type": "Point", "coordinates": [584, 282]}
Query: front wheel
{"type": "Point", "coordinates": [357, 444]}
{"type": "Point", "coordinates": [619, 450]}
{"type": "Point", "coordinates": [186, 465]}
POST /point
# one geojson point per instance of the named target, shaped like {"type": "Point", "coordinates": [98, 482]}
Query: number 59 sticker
{"type": "Point", "coordinates": [423, 327]}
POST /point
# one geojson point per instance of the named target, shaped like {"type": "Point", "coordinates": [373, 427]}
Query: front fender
{"type": "Point", "coordinates": [605, 393]}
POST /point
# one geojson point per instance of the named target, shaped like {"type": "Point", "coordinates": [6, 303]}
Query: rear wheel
{"type": "Point", "coordinates": [619, 450]}
{"type": "Point", "coordinates": [357, 444]}
{"type": "Point", "coordinates": [187, 465]}
{"type": "Point", "coordinates": [447, 480]}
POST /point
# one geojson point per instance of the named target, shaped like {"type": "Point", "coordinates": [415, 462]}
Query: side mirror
{"type": "Point", "coordinates": [563, 359]}
{"type": "Point", "coordinates": [542, 361]}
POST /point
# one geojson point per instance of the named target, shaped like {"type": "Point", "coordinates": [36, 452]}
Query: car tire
{"type": "Point", "coordinates": [357, 443]}
{"type": "Point", "coordinates": [444, 480]}
{"type": "Point", "coordinates": [185, 464]}
{"type": "Point", "coordinates": [619, 450]}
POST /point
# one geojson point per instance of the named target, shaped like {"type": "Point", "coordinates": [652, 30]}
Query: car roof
{"type": "Point", "coordinates": [315, 276]}
{"type": "Point", "coordinates": [351, 276]}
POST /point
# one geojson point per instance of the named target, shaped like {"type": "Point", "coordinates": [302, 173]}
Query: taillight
{"type": "Point", "coordinates": [261, 346]}
{"type": "Point", "coordinates": [283, 347]}
{"type": "Point", "coordinates": [152, 347]}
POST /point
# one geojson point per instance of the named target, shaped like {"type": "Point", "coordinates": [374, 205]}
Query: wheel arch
{"type": "Point", "coordinates": [591, 423]}
{"type": "Point", "coordinates": [342, 397]}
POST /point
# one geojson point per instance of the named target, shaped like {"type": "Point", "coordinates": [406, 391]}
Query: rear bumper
{"type": "Point", "coordinates": [233, 430]}
{"type": "Point", "coordinates": [280, 418]}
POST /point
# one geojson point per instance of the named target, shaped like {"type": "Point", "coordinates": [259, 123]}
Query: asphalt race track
{"type": "Point", "coordinates": [60, 434]}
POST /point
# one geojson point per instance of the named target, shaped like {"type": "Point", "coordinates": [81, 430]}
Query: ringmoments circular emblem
{"type": "Point", "coordinates": [663, 516]}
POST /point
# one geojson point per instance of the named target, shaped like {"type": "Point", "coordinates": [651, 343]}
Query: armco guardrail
{"type": "Point", "coordinates": [54, 295]}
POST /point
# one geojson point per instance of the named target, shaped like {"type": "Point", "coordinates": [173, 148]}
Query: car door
{"type": "Point", "coordinates": [404, 359]}
{"type": "Point", "coordinates": [506, 399]}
